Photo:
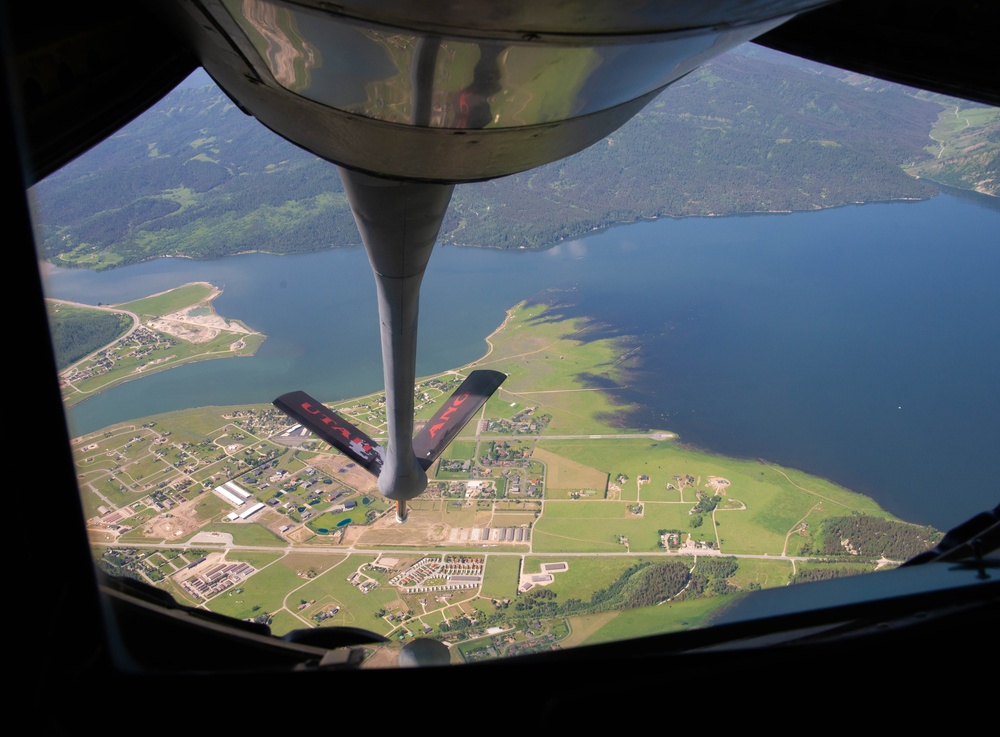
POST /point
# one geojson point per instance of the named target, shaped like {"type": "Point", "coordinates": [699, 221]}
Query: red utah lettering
{"type": "Point", "coordinates": [332, 423]}
{"type": "Point", "coordinates": [448, 413]}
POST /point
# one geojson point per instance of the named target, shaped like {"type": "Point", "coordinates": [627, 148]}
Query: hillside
{"type": "Point", "coordinates": [762, 132]}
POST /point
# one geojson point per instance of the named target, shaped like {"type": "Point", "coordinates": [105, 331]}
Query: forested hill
{"type": "Point", "coordinates": [196, 177]}
{"type": "Point", "coordinates": [737, 136]}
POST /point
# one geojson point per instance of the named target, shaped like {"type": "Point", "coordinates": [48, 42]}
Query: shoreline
{"type": "Point", "coordinates": [200, 329]}
{"type": "Point", "coordinates": [444, 241]}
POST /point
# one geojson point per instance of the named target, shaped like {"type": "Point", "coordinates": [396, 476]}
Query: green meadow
{"type": "Point", "coordinates": [545, 359]}
{"type": "Point", "coordinates": [332, 588]}
{"type": "Point", "coordinates": [500, 580]}
{"type": "Point", "coordinates": [266, 591]}
{"type": "Point", "coordinates": [656, 620]}
{"type": "Point", "coordinates": [170, 301]}
{"type": "Point", "coordinates": [583, 575]}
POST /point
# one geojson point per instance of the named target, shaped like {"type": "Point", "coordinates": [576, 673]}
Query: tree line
{"type": "Point", "coordinates": [78, 333]}
{"type": "Point", "coordinates": [874, 537]}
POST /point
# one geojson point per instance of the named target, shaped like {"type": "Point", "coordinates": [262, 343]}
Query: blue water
{"type": "Point", "coordinates": [859, 343]}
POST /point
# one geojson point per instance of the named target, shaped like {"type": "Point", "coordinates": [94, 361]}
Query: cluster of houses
{"type": "Point", "coordinates": [515, 485]}
{"type": "Point", "coordinates": [217, 579]}
{"type": "Point", "coordinates": [138, 345]}
{"type": "Point", "coordinates": [523, 423]}
{"type": "Point", "coordinates": [458, 573]}
{"type": "Point", "coordinates": [672, 541]}
{"type": "Point", "coordinates": [364, 584]}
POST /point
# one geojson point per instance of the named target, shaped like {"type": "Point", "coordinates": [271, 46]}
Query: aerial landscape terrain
{"type": "Point", "coordinates": [550, 522]}
{"type": "Point", "coordinates": [749, 132]}
{"type": "Point", "coordinates": [543, 524]}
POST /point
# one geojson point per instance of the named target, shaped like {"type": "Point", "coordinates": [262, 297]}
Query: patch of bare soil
{"type": "Point", "coordinates": [181, 522]}
{"type": "Point", "coordinates": [189, 326]}
{"type": "Point", "coordinates": [300, 534]}
{"type": "Point", "coordinates": [353, 534]}
{"type": "Point", "coordinates": [188, 332]}
{"type": "Point", "coordinates": [347, 472]}
{"type": "Point", "coordinates": [420, 528]}
{"type": "Point", "coordinates": [100, 535]}
{"type": "Point", "coordinates": [385, 657]}
{"type": "Point", "coordinates": [717, 484]}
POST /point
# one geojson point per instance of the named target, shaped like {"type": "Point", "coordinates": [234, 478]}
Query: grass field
{"type": "Point", "coordinates": [761, 505]}
{"type": "Point", "coordinates": [500, 580]}
{"type": "Point", "coordinates": [432, 620]}
{"type": "Point", "coordinates": [460, 449]}
{"type": "Point", "coordinates": [331, 588]}
{"type": "Point", "coordinates": [265, 591]}
{"type": "Point", "coordinates": [567, 536]}
{"type": "Point", "coordinates": [564, 476]}
{"type": "Point", "coordinates": [170, 301]}
{"type": "Point", "coordinates": [512, 519]}
{"type": "Point", "coordinates": [656, 620]}
{"type": "Point", "coordinates": [246, 534]}
{"type": "Point", "coordinates": [764, 573]}
{"type": "Point", "coordinates": [545, 358]}
{"type": "Point", "coordinates": [584, 575]}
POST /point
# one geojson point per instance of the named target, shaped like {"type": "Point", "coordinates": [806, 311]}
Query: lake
{"type": "Point", "coordinates": [859, 343]}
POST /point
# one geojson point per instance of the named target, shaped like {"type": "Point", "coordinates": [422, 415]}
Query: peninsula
{"type": "Point", "coordinates": [99, 347]}
{"type": "Point", "coordinates": [544, 525]}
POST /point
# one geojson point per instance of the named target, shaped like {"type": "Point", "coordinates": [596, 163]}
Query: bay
{"type": "Point", "coordinates": [859, 343]}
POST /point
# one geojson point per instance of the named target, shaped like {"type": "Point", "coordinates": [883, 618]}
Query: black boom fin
{"type": "Point", "coordinates": [472, 394]}
{"type": "Point", "coordinates": [332, 428]}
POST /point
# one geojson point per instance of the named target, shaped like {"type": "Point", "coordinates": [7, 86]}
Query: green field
{"type": "Point", "coordinates": [545, 360]}
{"type": "Point", "coordinates": [246, 533]}
{"type": "Point", "coordinates": [657, 620]}
{"type": "Point", "coordinates": [356, 609]}
{"type": "Point", "coordinates": [564, 476]}
{"type": "Point", "coordinates": [763, 573]}
{"type": "Point", "coordinates": [170, 301]}
{"type": "Point", "coordinates": [265, 591]}
{"type": "Point", "coordinates": [584, 575]}
{"type": "Point", "coordinates": [501, 576]}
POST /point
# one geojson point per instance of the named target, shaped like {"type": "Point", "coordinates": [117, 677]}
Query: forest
{"type": "Point", "coordinates": [749, 132]}
{"type": "Point", "coordinates": [643, 584]}
{"type": "Point", "coordinates": [874, 537]}
{"type": "Point", "coordinates": [77, 333]}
